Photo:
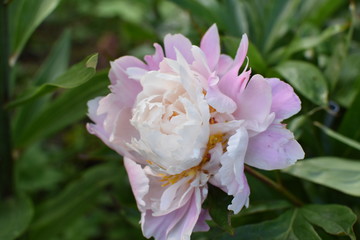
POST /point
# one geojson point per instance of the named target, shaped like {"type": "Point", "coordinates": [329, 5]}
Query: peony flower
{"type": "Point", "coordinates": [185, 118]}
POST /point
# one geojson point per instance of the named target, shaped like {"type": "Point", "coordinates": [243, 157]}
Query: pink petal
{"type": "Point", "coordinates": [285, 102]}
{"type": "Point", "coordinates": [241, 53]}
{"type": "Point", "coordinates": [210, 44]}
{"type": "Point", "coordinates": [224, 64]}
{"type": "Point", "coordinates": [119, 66]}
{"type": "Point", "coordinates": [230, 78]}
{"type": "Point", "coordinates": [274, 148]}
{"type": "Point", "coordinates": [255, 101]}
{"type": "Point", "coordinates": [138, 180]}
{"type": "Point", "coordinates": [218, 100]}
{"type": "Point", "coordinates": [178, 224]}
{"type": "Point", "coordinates": [97, 128]}
{"type": "Point", "coordinates": [181, 43]}
{"type": "Point", "coordinates": [154, 61]}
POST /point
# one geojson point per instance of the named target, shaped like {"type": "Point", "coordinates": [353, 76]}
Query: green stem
{"type": "Point", "coordinates": [6, 161]}
{"type": "Point", "coordinates": [292, 198]}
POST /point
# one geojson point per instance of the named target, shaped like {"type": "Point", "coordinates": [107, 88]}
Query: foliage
{"type": "Point", "coordinates": [70, 187]}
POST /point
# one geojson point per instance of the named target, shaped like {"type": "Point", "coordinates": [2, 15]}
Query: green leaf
{"type": "Point", "coordinates": [218, 202]}
{"type": "Point", "coordinates": [64, 110]}
{"type": "Point", "coordinates": [297, 224]}
{"type": "Point", "coordinates": [334, 219]}
{"type": "Point", "coordinates": [307, 79]}
{"type": "Point", "coordinates": [337, 173]}
{"type": "Point", "coordinates": [25, 17]}
{"type": "Point", "coordinates": [303, 43]}
{"type": "Point", "coordinates": [74, 77]}
{"type": "Point", "coordinates": [290, 225]}
{"type": "Point", "coordinates": [280, 21]}
{"type": "Point", "coordinates": [55, 64]}
{"type": "Point", "coordinates": [60, 211]}
{"type": "Point", "coordinates": [15, 216]}
{"type": "Point", "coordinates": [265, 207]}
{"type": "Point", "coordinates": [339, 137]}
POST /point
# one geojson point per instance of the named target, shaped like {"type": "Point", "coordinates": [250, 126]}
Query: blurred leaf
{"type": "Point", "coordinates": [325, 7]}
{"type": "Point", "coordinates": [334, 219]}
{"type": "Point", "coordinates": [56, 63]}
{"type": "Point", "coordinates": [58, 212]}
{"type": "Point", "coordinates": [307, 79]}
{"type": "Point", "coordinates": [234, 15]}
{"type": "Point", "coordinates": [218, 202]}
{"type": "Point", "coordinates": [303, 43]}
{"type": "Point", "coordinates": [74, 77]}
{"type": "Point", "coordinates": [349, 86]}
{"type": "Point", "coordinates": [290, 225]}
{"type": "Point", "coordinates": [337, 173]}
{"type": "Point", "coordinates": [64, 110]}
{"type": "Point", "coordinates": [338, 136]}
{"type": "Point", "coordinates": [36, 170]}
{"type": "Point", "coordinates": [15, 216]}
{"type": "Point", "coordinates": [280, 20]}
{"type": "Point", "coordinates": [25, 17]}
{"type": "Point", "coordinates": [198, 9]}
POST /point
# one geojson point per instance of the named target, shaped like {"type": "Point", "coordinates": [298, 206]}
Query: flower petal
{"type": "Point", "coordinates": [179, 42]}
{"type": "Point", "coordinates": [138, 180]}
{"type": "Point", "coordinates": [241, 198]}
{"type": "Point", "coordinates": [274, 148]}
{"type": "Point", "coordinates": [285, 102]}
{"type": "Point", "coordinates": [178, 224]}
{"type": "Point", "coordinates": [154, 61]}
{"type": "Point", "coordinates": [255, 101]}
{"type": "Point", "coordinates": [210, 44]}
{"type": "Point", "coordinates": [231, 172]}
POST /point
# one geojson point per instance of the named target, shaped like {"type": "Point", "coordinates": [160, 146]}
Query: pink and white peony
{"type": "Point", "coordinates": [186, 118]}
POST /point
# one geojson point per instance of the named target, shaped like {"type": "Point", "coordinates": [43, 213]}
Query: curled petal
{"type": "Point", "coordinates": [274, 148]}
{"type": "Point", "coordinates": [154, 61]}
{"type": "Point", "coordinates": [285, 102]}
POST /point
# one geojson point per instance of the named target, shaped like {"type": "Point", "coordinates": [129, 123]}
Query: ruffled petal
{"type": "Point", "coordinates": [285, 102]}
{"type": "Point", "coordinates": [153, 61]}
{"type": "Point", "coordinates": [210, 44]}
{"type": "Point", "coordinates": [241, 198]}
{"type": "Point", "coordinates": [231, 172]}
{"type": "Point", "coordinates": [179, 42]}
{"type": "Point", "coordinates": [274, 148]}
{"type": "Point", "coordinates": [178, 224]}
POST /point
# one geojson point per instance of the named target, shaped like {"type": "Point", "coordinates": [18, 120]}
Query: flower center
{"type": "Point", "coordinates": [191, 172]}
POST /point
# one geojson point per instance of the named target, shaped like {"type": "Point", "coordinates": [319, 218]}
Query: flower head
{"type": "Point", "coordinates": [186, 118]}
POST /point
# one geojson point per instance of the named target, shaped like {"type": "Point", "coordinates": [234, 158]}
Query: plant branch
{"type": "Point", "coordinates": [6, 161]}
{"type": "Point", "coordinates": [292, 198]}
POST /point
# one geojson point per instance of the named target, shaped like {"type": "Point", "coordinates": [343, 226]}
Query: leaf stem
{"type": "Point", "coordinates": [6, 161]}
{"type": "Point", "coordinates": [292, 198]}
